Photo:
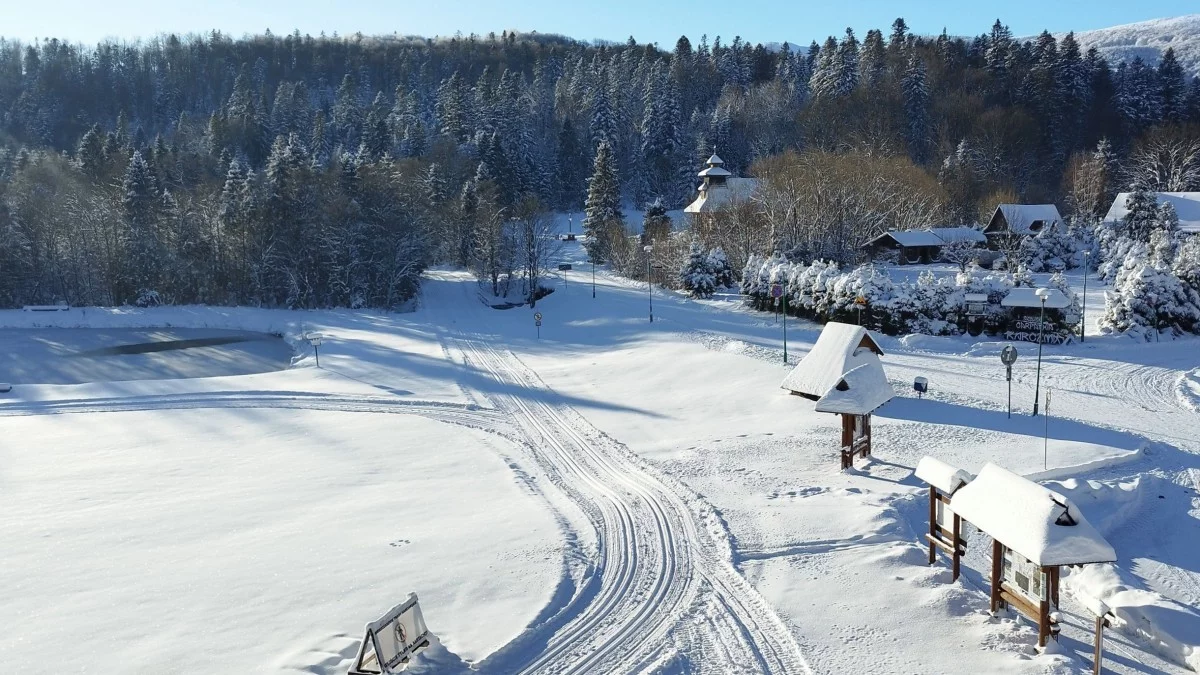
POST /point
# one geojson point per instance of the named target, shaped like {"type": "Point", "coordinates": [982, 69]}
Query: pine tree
{"type": "Point", "coordinates": [848, 74]}
{"type": "Point", "coordinates": [570, 177]}
{"type": "Point", "coordinates": [139, 203]}
{"type": "Point", "coordinates": [452, 109]}
{"type": "Point", "coordinates": [824, 81]}
{"type": "Point", "coordinates": [873, 59]}
{"type": "Point", "coordinates": [696, 275]}
{"type": "Point", "coordinates": [346, 119]}
{"type": "Point", "coordinates": [1141, 215]}
{"type": "Point", "coordinates": [916, 110]}
{"type": "Point", "coordinates": [376, 137]}
{"type": "Point", "coordinates": [718, 262]}
{"type": "Point", "coordinates": [1172, 90]}
{"type": "Point", "coordinates": [91, 153]}
{"type": "Point", "coordinates": [656, 224]}
{"type": "Point", "coordinates": [603, 219]}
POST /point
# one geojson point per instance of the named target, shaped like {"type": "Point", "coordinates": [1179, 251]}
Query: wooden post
{"type": "Point", "coordinates": [1053, 580]}
{"type": "Point", "coordinates": [1097, 653]}
{"type": "Point", "coordinates": [997, 563]}
{"type": "Point", "coordinates": [1043, 622]}
{"type": "Point", "coordinates": [933, 525]}
{"type": "Point", "coordinates": [958, 543]}
{"type": "Point", "coordinates": [867, 431]}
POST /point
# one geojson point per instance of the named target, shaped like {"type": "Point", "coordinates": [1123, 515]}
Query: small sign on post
{"type": "Point", "coordinates": [391, 640]}
{"type": "Point", "coordinates": [921, 386]}
{"type": "Point", "coordinates": [314, 339]}
{"type": "Point", "coordinates": [537, 321]}
{"type": "Point", "coordinates": [1008, 356]}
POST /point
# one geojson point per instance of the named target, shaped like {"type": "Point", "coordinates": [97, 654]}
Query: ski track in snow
{"type": "Point", "coordinates": [663, 589]}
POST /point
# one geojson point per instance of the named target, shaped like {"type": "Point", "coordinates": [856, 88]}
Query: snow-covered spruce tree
{"type": "Point", "coordinates": [874, 286]}
{"type": "Point", "coordinates": [1050, 250]}
{"type": "Point", "coordinates": [656, 224]}
{"type": "Point", "coordinates": [696, 276]}
{"type": "Point", "coordinates": [916, 110]}
{"type": "Point", "coordinates": [924, 305]}
{"type": "Point", "coordinates": [722, 272]}
{"type": "Point", "coordinates": [1146, 297]}
{"type": "Point", "coordinates": [140, 202]}
{"type": "Point", "coordinates": [603, 219]}
{"type": "Point", "coordinates": [1066, 319]}
{"type": "Point", "coordinates": [1186, 268]}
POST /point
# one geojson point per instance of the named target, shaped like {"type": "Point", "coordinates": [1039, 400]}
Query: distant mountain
{"type": "Point", "coordinates": [1149, 39]}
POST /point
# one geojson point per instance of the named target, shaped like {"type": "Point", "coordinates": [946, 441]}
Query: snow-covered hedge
{"type": "Point", "coordinates": [932, 305]}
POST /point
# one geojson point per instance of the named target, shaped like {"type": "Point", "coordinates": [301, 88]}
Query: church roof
{"type": "Point", "coordinates": [714, 160]}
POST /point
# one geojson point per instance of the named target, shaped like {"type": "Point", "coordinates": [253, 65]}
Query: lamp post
{"type": "Point", "coordinates": [1042, 294]}
{"type": "Point", "coordinates": [649, 280]}
{"type": "Point", "coordinates": [593, 277]}
{"type": "Point", "coordinates": [1083, 313]}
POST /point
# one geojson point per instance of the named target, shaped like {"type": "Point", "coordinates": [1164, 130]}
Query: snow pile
{"type": "Point", "coordinates": [1042, 525]}
{"type": "Point", "coordinates": [1187, 389]}
{"type": "Point", "coordinates": [941, 475]}
{"type": "Point", "coordinates": [1172, 629]}
{"type": "Point", "coordinates": [840, 349]}
{"type": "Point", "coordinates": [861, 390]}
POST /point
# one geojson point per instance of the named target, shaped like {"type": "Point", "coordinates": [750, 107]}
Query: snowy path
{"type": "Point", "coordinates": [662, 586]}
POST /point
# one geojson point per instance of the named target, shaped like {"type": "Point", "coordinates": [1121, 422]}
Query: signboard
{"type": "Point", "coordinates": [1023, 576]}
{"type": "Point", "coordinates": [1008, 355]}
{"type": "Point", "coordinates": [776, 290]}
{"type": "Point", "coordinates": [537, 316]}
{"type": "Point", "coordinates": [392, 639]}
{"type": "Point", "coordinates": [1049, 338]}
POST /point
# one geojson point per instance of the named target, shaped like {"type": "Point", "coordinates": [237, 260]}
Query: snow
{"type": "Point", "coordinates": [840, 348]}
{"type": "Point", "coordinates": [1028, 297]}
{"type": "Point", "coordinates": [615, 496]}
{"type": "Point", "coordinates": [859, 392]}
{"type": "Point", "coordinates": [1187, 207]}
{"type": "Point", "coordinates": [1041, 525]}
{"type": "Point", "coordinates": [1148, 39]}
{"type": "Point", "coordinates": [946, 478]}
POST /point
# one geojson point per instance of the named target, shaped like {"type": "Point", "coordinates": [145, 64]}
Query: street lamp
{"type": "Point", "coordinates": [1083, 313]}
{"type": "Point", "coordinates": [1042, 294]}
{"type": "Point", "coordinates": [593, 277]}
{"type": "Point", "coordinates": [649, 280]}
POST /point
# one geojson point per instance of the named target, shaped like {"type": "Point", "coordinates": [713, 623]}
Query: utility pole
{"type": "Point", "coordinates": [1083, 317]}
{"type": "Point", "coordinates": [1037, 389]}
{"type": "Point", "coordinates": [649, 280]}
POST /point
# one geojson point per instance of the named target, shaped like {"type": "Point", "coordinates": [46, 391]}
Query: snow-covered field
{"type": "Point", "coordinates": [614, 496]}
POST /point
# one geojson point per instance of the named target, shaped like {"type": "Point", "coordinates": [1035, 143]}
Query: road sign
{"type": "Point", "coordinates": [537, 316]}
{"type": "Point", "coordinates": [1008, 355]}
{"type": "Point", "coordinates": [777, 290]}
{"type": "Point", "coordinates": [860, 300]}
{"type": "Point", "coordinates": [537, 323]}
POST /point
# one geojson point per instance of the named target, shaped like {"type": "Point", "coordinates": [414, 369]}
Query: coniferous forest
{"type": "Point", "coordinates": [301, 171]}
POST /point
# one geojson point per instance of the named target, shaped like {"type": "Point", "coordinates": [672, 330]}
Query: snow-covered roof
{"type": "Point", "coordinates": [1187, 206]}
{"type": "Point", "coordinates": [714, 171]}
{"type": "Point", "coordinates": [1027, 297]}
{"type": "Point", "coordinates": [1021, 216]}
{"type": "Point", "coordinates": [718, 196]}
{"type": "Point", "coordinates": [840, 348]}
{"type": "Point", "coordinates": [1038, 523]}
{"type": "Point", "coordinates": [859, 391]}
{"type": "Point", "coordinates": [714, 160]}
{"type": "Point", "coordinates": [941, 475]}
{"type": "Point", "coordinates": [937, 236]}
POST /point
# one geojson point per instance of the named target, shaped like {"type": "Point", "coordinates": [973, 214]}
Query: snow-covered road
{"type": "Point", "coordinates": [661, 586]}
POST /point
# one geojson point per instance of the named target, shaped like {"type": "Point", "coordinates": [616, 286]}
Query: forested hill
{"type": "Point", "coordinates": [284, 170]}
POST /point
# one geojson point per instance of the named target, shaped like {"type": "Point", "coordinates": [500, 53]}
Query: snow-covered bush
{"type": "Point", "coordinates": [148, 298]}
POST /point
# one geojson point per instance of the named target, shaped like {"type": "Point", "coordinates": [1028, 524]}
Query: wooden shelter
{"type": "Point", "coordinates": [1034, 531]}
{"type": "Point", "coordinates": [844, 375]}
{"type": "Point", "coordinates": [1021, 219]}
{"type": "Point", "coordinates": [944, 480]}
{"type": "Point", "coordinates": [921, 246]}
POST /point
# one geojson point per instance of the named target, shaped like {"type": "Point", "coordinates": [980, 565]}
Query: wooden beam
{"type": "Point", "coordinates": [933, 526]}
{"type": "Point", "coordinates": [956, 557]}
{"type": "Point", "coordinates": [997, 561]}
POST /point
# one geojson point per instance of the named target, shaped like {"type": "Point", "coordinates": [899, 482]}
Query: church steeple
{"type": "Point", "coordinates": [713, 174]}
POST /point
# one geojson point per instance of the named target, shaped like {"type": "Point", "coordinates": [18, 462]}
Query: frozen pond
{"type": "Point", "coordinates": [78, 355]}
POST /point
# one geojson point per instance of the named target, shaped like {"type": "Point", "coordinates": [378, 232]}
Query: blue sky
{"type": "Point", "coordinates": [659, 21]}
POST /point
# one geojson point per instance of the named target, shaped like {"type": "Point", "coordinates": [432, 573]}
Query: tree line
{"type": "Point", "coordinates": [316, 171]}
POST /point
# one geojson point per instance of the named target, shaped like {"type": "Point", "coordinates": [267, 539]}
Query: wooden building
{"type": "Point", "coordinates": [844, 375]}
{"type": "Point", "coordinates": [1021, 220]}
{"type": "Point", "coordinates": [1035, 532]}
{"type": "Point", "coordinates": [945, 526]}
{"type": "Point", "coordinates": [921, 246]}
